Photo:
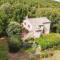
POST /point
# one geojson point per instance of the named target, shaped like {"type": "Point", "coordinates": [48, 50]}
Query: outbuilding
{"type": "Point", "coordinates": [34, 27]}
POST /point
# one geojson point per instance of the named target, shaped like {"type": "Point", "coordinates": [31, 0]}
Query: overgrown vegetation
{"type": "Point", "coordinates": [14, 36]}
{"type": "Point", "coordinates": [16, 10]}
{"type": "Point", "coordinates": [49, 41]}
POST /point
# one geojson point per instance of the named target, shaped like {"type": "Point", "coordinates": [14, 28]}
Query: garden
{"type": "Point", "coordinates": [49, 41]}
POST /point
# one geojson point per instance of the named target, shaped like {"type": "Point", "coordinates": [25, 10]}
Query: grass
{"type": "Point", "coordinates": [3, 50]}
{"type": "Point", "coordinates": [49, 41]}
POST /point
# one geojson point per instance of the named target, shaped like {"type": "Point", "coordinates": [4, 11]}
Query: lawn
{"type": "Point", "coordinates": [3, 49]}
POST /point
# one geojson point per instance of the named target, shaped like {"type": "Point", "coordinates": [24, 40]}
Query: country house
{"type": "Point", "coordinates": [34, 27]}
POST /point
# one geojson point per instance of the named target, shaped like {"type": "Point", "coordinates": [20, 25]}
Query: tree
{"type": "Point", "coordinates": [5, 16]}
{"type": "Point", "coordinates": [14, 31]}
{"type": "Point", "coordinates": [20, 11]}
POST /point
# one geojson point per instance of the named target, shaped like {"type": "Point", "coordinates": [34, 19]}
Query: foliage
{"type": "Point", "coordinates": [13, 32]}
{"type": "Point", "coordinates": [57, 47]}
{"type": "Point", "coordinates": [13, 28]}
{"type": "Point", "coordinates": [16, 10]}
{"type": "Point", "coordinates": [48, 41]}
{"type": "Point", "coordinates": [52, 14]}
{"type": "Point", "coordinates": [20, 11]}
{"type": "Point", "coordinates": [46, 53]}
{"type": "Point", "coordinates": [5, 14]}
{"type": "Point", "coordinates": [27, 44]}
{"type": "Point", "coordinates": [9, 13]}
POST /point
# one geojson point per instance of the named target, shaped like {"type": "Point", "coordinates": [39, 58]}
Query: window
{"type": "Point", "coordinates": [29, 26]}
{"type": "Point", "coordinates": [40, 26]}
{"type": "Point", "coordinates": [38, 30]}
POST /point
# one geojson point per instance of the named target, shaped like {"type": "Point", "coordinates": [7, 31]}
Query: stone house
{"type": "Point", "coordinates": [34, 27]}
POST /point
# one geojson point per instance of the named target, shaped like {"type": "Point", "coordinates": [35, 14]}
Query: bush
{"type": "Point", "coordinates": [5, 17]}
{"type": "Point", "coordinates": [46, 53]}
{"type": "Point", "coordinates": [13, 29]}
{"type": "Point", "coordinates": [13, 32]}
{"type": "Point", "coordinates": [14, 10]}
{"type": "Point", "coordinates": [14, 44]}
{"type": "Point", "coordinates": [27, 44]}
{"type": "Point", "coordinates": [49, 41]}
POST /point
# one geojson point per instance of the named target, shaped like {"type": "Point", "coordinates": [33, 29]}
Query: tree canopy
{"type": "Point", "coordinates": [16, 10]}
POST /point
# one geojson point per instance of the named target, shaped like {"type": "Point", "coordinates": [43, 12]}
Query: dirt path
{"type": "Point", "coordinates": [23, 56]}
{"type": "Point", "coordinates": [18, 56]}
{"type": "Point", "coordinates": [56, 56]}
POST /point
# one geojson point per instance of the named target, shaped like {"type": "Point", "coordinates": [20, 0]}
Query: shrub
{"type": "Point", "coordinates": [46, 53]}
{"type": "Point", "coordinates": [1, 30]}
{"type": "Point", "coordinates": [5, 17]}
{"type": "Point", "coordinates": [49, 41]}
{"type": "Point", "coordinates": [13, 32]}
{"type": "Point", "coordinates": [14, 44]}
{"type": "Point", "coordinates": [14, 10]}
{"type": "Point", "coordinates": [27, 44]}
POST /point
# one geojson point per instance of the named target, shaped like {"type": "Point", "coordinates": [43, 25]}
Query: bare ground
{"type": "Point", "coordinates": [56, 56]}
{"type": "Point", "coordinates": [18, 56]}
{"type": "Point", "coordinates": [23, 56]}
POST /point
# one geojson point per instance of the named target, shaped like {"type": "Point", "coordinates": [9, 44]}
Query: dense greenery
{"type": "Point", "coordinates": [16, 10]}
{"type": "Point", "coordinates": [13, 32]}
{"type": "Point", "coordinates": [49, 41]}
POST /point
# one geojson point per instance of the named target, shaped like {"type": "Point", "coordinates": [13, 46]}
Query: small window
{"type": "Point", "coordinates": [40, 26]}
{"type": "Point", "coordinates": [29, 26]}
{"type": "Point", "coordinates": [38, 30]}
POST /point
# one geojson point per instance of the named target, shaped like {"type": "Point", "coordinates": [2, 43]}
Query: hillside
{"type": "Point", "coordinates": [41, 3]}
{"type": "Point", "coordinates": [16, 10]}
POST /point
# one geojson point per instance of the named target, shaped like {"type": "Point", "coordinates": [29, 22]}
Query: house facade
{"type": "Point", "coordinates": [34, 27]}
